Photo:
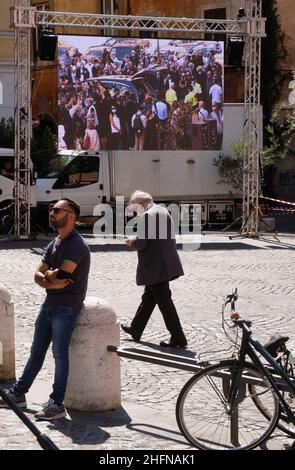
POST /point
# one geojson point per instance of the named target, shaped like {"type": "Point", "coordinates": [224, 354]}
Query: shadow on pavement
{"type": "Point", "coordinates": [36, 245]}
{"type": "Point", "coordinates": [157, 432]}
{"type": "Point", "coordinates": [111, 245]}
{"type": "Point", "coordinates": [84, 427]}
{"type": "Point", "coordinates": [174, 351]}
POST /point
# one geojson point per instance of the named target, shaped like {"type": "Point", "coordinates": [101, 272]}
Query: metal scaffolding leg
{"type": "Point", "coordinates": [252, 131]}
{"type": "Point", "coordinates": [23, 19]}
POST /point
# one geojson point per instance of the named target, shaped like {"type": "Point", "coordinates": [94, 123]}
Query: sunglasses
{"type": "Point", "coordinates": [56, 210]}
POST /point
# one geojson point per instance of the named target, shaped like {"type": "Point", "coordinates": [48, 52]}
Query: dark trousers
{"type": "Point", "coordinates": [158, 294]}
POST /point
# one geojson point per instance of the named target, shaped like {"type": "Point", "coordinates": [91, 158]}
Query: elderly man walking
{"type": "Point", "coordinates": [158, 264]}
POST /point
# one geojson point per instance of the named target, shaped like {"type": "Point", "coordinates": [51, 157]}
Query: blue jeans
{"type": "Point", "coordinates": [54, 324]}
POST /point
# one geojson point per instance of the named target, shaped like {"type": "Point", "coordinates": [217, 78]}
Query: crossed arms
{"type": "Point", "coordinates": [48, 279]}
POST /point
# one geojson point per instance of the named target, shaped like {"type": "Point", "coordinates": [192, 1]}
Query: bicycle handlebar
{"type": "Point", "coordinates": [232, 298]}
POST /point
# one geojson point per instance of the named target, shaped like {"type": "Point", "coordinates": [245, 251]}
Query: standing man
{"type": "Point", "coordinates": [64, 274]}
{"type": "Point", "coordinates": [158, 263]}
{"type": "Point", "coordinates": [202, 113]}
{"type": "Point", "coordinates": [138, 125]}
{"type": "Point", "coordinates": [216, 92]}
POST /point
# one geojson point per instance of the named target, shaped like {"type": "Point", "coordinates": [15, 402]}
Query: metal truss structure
{"type": "Point", "coordinates": [22, 117]}
{"type": "Point", "coordinates": [139, 23]}
{"type": "Point", "coordinates": [252, 122]}
{"type": "Point", "coordinates": [251, 27]}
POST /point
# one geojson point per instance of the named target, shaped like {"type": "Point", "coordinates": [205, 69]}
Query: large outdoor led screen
{"type": "Point", "coordinates": [119, 93]}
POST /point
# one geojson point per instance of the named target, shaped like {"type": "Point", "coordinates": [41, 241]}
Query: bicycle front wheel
{"type": "Point", "coordinates": [204, 416]}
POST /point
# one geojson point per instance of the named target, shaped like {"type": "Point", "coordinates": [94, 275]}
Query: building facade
{"type": "Point", "coordinates": [287, 22]}
{"type": "Point", "coordinates": [44, 74]}
{"type": "Point", "coordinates": [6, 61]}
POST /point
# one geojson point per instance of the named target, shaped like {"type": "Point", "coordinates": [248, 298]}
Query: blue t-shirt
{"type": "Point", "coordinates": [73, 248]}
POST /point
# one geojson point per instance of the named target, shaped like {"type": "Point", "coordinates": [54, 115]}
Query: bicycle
{"type": "Point", "coordinates": [235, 404]}
{"type": "Point", "coordinates": [283, 356]}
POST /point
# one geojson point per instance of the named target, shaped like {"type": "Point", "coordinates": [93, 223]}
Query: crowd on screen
{"type": "Point", "coordinates": [96, 114]}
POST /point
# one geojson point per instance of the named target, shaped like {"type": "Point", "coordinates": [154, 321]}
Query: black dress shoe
{"type": "Point", "coordinates": [130, 331]}
{"type": "Point", "coordinates": [174, 344]}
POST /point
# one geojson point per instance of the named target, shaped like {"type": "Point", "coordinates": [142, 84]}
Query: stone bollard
{"type": "Point", "coordinates": [94, 382]}
{"type": "Point", "coordinates": [7, 346]}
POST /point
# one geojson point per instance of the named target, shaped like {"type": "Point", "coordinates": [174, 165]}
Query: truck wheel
{"type": "Point", "coordinates": [6, 217]}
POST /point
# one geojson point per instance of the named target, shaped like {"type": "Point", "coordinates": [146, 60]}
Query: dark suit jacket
{"type": "Point", "coordinates": [158, 260]}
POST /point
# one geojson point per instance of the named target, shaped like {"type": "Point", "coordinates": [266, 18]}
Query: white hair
{"type": "Point", "coordinates": [140, 197]}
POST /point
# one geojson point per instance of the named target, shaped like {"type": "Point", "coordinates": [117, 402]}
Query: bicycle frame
{"type": "Point", "coordinates": [249, 346]}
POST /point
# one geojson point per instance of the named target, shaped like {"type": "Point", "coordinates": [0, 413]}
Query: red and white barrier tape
{"type": "Point", "coordinates": [281, 210]}
{"type": "Point", "coordinates": [278, 200]}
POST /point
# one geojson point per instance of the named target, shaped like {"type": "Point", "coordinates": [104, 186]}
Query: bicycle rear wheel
{"type": "Point", "coordinates": [203, 414]}
{"type": "Point", "coordinates": [283, 423]}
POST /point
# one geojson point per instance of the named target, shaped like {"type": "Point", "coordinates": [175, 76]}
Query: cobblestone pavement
{"type": "Point", "coordinates": [264, 274]}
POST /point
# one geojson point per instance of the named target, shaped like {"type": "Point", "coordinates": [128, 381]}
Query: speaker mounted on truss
{"type": "Point", "coordinates": [235, 50]}
{"type": "Point", "coordinates": [47, 41]}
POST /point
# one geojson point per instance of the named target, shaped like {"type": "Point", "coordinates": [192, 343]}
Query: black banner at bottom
{"type": "Point", "coordinates": [135, 459]}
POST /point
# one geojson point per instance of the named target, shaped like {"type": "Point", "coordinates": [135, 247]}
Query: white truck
{"type": "Point", "coordinates": [6, 176]}
{"type": "Point", "coordinates": [91, 178]}
{"type": "Point", "coordinates": [7, 187]}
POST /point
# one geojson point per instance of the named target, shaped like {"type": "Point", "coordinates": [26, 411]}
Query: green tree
{"type": "Point", "coordinates": [281, 142]}
{"type": "Point", "coordinates": [230, 167]}
{"type": "Point", "coordinates": [273, 54]}
{"type": "Point", "coordinates": [43, 144]}
{"type": "Point", "coordinates": [280, 137]}
{"type": "Point", "coordinates": [43, 148]}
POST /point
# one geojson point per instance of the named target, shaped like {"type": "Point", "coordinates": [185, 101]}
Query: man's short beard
{"type": "Point", "coordinates": [58, 224]}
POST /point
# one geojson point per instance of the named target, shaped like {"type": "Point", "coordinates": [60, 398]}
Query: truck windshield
{"type": "Point", "coordinates": [57, 165]}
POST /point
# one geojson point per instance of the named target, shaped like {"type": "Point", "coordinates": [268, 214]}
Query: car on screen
{"type": "Point", "coordinates": [121, 51]}
{"type": "Point", "coordinates": [206, 47]}
{"type": "Point", "coordinates": [141, 83]}
{"type": "Point", "coordinates": [124, 48]}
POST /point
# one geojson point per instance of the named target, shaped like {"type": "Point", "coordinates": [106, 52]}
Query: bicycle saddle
{"type": "Point", "coordinates": [275, 343]}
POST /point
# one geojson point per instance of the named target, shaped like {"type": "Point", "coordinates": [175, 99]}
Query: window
{"type": "Point", "coordinates": [82, 172]}
{"type": "Point", "coordinates": [110, 7]}
{"type": "Point", "coordinates": [56, 166]}
{"type": "Point", "coordinates": [42, 6]}
{"type": "Point", "coordinates": [218, 14]}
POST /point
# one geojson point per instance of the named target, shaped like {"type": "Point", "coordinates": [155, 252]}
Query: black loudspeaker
{"type": "Point", "coordinates": [47, 42]}
{"type": "Point", "coordinates": [235, 50]}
